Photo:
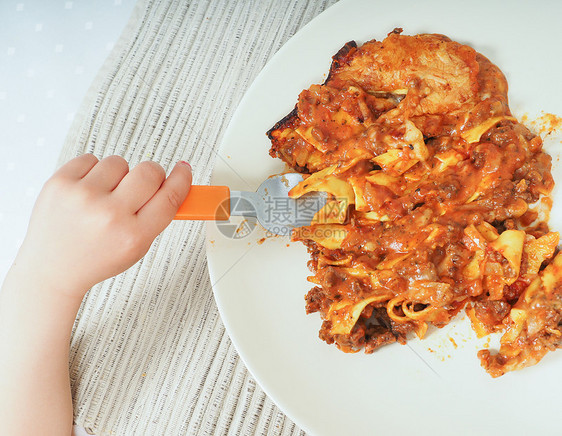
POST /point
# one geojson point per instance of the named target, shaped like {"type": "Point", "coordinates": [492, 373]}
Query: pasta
{"type": "Point", "coordinates": [433, 189]}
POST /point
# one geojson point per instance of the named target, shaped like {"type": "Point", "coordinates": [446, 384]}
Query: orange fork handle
{"type": "Point", "coordinates": [205, 203]}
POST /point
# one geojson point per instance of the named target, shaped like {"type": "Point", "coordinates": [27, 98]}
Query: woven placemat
{"type": "Point", "coordinates": [149, 354]}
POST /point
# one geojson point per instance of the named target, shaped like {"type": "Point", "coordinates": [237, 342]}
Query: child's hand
{"type": "Point", "coordinates": [94, 219]}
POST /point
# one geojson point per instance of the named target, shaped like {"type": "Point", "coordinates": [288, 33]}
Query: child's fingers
{"type": "Point", "coordinates": [107, 174]}
{"type": "Point", "coordinates": [138, 187]}
{"type": "Point", "coordinates": [161, 209]}
{"type": "Point", "coordinates": [78, 167]}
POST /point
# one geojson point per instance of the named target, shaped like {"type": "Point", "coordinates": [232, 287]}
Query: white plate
{"type": "Point", "coordinates": [431, 386]}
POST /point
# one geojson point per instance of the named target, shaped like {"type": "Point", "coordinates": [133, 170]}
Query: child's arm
{"type": "Point", "coordinates": [91, 221]}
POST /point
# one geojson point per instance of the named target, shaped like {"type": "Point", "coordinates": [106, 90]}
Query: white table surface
{"type": "Point", "coordinates": [49, 54]}
{"type": "Point", "coordinates": [50, 51]}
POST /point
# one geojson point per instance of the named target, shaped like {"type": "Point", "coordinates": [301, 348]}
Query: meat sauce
{"type": "Point", "coordinates": [421, 129]}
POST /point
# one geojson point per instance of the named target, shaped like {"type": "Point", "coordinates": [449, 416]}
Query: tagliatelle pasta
{"type": "Point", "coordinates": [433, 188]}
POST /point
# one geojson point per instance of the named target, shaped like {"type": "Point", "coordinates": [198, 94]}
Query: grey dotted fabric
{"type": "Point", "coordinates": [149, 354]}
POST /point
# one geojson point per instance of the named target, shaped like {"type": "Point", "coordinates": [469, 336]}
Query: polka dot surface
{"type": "Point", "coordinates": [50, 53]}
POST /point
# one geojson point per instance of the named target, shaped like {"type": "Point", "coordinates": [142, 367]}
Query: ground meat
{"type": "Point", "coordinates": [314, 300]}
{"type": "Point", "coordinates": [376, 337]}
{"type": "Point", "coordinates": [491, 312]}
